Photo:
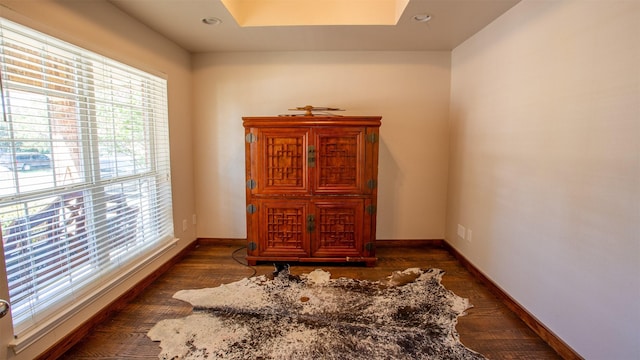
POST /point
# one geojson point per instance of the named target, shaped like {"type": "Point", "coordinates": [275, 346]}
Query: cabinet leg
{"type": "Point", "coordinates": [370, 263]}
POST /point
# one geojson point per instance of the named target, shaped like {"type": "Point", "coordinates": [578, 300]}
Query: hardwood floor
{"type": "Point", "coordinates": [489, 327]}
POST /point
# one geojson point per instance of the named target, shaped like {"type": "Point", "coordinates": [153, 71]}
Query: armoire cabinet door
{"type": "Point", "coordinates": [338, 227]}
{"type": "Point", "coordinates": [281, 161]}
{"type": "Point", "coordinates": [283, 227]}
{"type": "Point", "coordinates": [287, 158]}
{"type": "Point", "coordinates": [316, 228]}
{"type": "Point", "coordinates": [339, 161]}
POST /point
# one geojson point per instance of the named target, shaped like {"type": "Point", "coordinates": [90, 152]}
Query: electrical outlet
{"type": "Point", "coordinates": [193, 219]}
{"type": "Point", "coordinates": [469, 235]}
{"type": "Point", "coordinates": [185, 225]}
{"type": "Point", "coordinates": [461, 231]}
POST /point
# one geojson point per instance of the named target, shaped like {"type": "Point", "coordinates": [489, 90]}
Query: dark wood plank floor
{"type": "Point", "coordinates": [489, 327]}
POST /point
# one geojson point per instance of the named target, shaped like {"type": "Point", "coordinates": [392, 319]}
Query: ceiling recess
{"type": "Point", "coordinates": [315, 12]}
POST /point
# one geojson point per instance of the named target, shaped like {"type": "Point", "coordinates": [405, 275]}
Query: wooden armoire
{"type": "Point", "coordinates": [311, 188]}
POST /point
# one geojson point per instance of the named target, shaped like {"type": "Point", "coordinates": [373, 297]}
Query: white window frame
{"type": "Point", "coordinates": [122, 218]}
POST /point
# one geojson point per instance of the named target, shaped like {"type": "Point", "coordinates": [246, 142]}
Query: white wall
{"type": "Point", "coordinates": [545, 166]}
{"type": "Point", "coordinates": [409, 89]}
{"type": "Point", "coordinates": [91, 24]}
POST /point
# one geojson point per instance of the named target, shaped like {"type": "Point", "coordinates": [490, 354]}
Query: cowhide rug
{"type": "Point", "coordinates": [409, 315]}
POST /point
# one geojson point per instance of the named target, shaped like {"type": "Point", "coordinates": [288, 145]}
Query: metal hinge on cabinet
{"type": "Point", "coordinates": [371, 184]}
{"type": "Point", "coordinates": [251, 138]}
{"type": "Point", "coordinates": [370, 209]}
{"type": "Point", "coordinates": [251, 209]}
{"type": "Point", "coordinates": [251, 184]}
{"type": "Point", "coordinates": [372, 138]}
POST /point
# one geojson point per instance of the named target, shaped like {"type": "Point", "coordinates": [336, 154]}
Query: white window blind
{"type": "Point", "coordinates": [84, 171]}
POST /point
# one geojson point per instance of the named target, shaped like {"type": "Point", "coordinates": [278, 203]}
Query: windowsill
{"type": "Point", "coordinates": [31, 336]}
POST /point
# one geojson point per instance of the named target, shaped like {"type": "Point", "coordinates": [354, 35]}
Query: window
{"type": "Point", "coordinates": [84, 171]}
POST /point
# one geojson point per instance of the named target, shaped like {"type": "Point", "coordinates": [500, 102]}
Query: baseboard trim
{"type": "Point", "coordinates": [410, 243]}
{"type": "Point", "coordinates": [564, 350]}
{"type": "Point", "coordinates": [222, 241]}
{"type": "Point", "coordinates": [66, 343]}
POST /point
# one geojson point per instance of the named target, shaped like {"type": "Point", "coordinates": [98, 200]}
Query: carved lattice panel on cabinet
{"type": "Point", "coordinates": [282, 161]}
{"type": "Point", "coordinates": [339, 158]}
{"type": "Point", "coordinates": [283, 223]}
{"type": "Point", "coordinates": [339, 231]}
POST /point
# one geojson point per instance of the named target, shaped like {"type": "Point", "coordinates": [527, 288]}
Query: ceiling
{"type": "Point", "coordinates": [452, 22]}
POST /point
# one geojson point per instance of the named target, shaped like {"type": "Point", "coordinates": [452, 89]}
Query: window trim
{"type": "Point", "coordinates": [134, 265]}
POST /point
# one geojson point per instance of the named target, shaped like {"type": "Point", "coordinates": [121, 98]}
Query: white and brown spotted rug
{"type": "Point", "coordinates": [409, 315]}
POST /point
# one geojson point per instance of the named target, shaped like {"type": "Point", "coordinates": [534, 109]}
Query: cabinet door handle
{"type": "Point", "coordinates": [311, 156]}
{"type": "Point", "coordinates": [311, 223]}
